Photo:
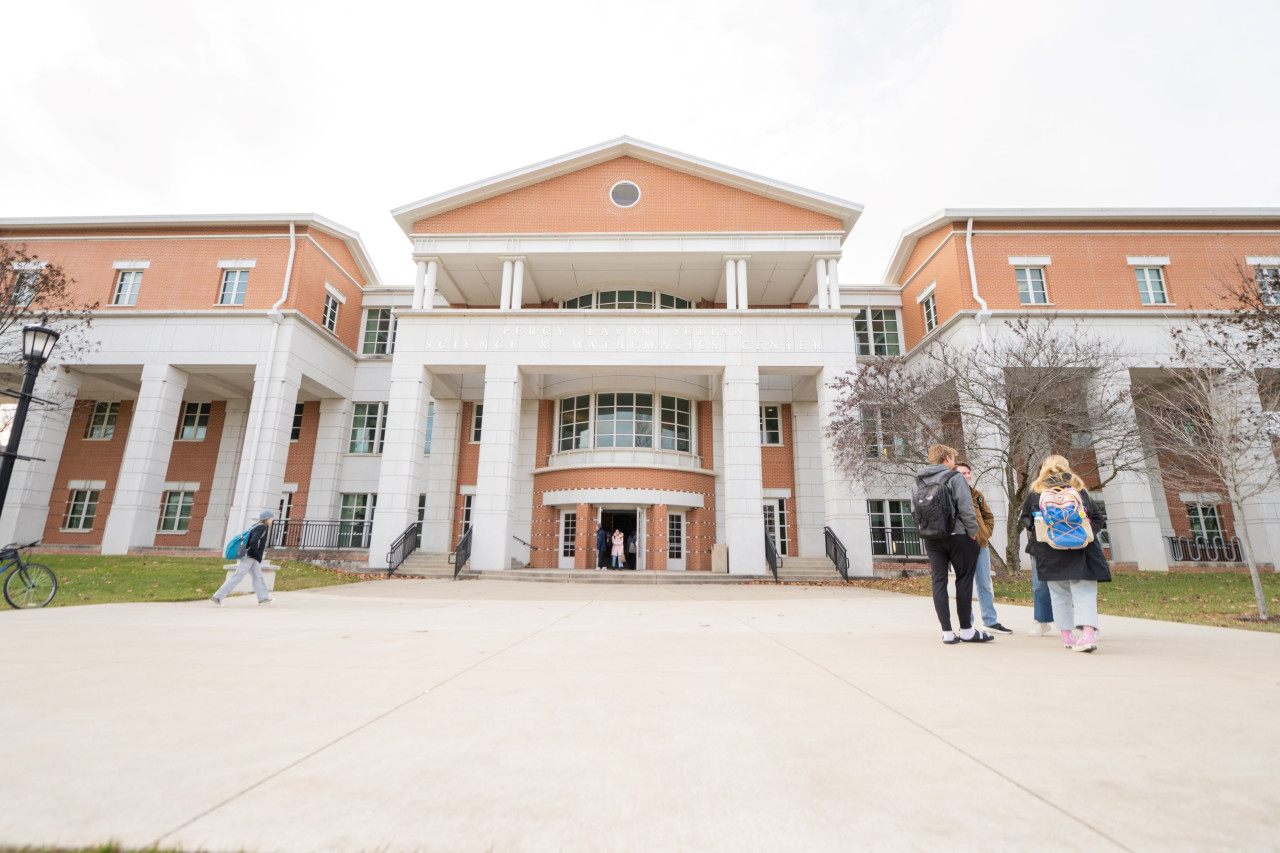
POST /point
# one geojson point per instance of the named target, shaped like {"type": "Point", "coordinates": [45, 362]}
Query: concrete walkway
{"type": "Point", "coordinates": [440, 716]}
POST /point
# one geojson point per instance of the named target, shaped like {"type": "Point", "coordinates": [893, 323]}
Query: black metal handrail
{"type": "Point", "coordinates": [837, 553]}
{"type": "Point", "coordinates": [896, 542]}
{"type": "Point", "coordinates": [403, 547]}
{"type": "Point", "coordinates": [1200, 549]}
{"type": "Point", "coordinates": [462, 553]}
{"type": "Point", "coordinates": [312, 533]}
{"type": "Point", "coordinates": [770, 552]}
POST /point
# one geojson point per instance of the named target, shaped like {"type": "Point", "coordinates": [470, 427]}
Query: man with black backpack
{"type": "Point", "coordinates": [948, 526]}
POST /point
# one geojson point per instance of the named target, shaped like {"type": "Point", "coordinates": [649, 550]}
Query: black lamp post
{"type": "Point", "coordinates": [37, 344]}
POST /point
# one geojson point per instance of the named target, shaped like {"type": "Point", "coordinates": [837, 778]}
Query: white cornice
{"type": "Point", "coordinates": [625, 146]}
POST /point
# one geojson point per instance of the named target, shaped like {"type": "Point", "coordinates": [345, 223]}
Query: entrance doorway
{"type": "Point", "coordinates": [628, 521]}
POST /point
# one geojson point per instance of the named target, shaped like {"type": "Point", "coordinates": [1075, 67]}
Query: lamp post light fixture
{"type": "Point", "coordinates": [37, 345]}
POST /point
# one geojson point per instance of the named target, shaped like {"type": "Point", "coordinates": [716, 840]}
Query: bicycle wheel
{"type": "Point", "coordinates": [30, 585]}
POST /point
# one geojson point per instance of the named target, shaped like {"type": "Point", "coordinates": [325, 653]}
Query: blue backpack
{"type": "Point", "coordinates": [1063, 522]}
{"type": "Point", "coordinates": [238, 546]}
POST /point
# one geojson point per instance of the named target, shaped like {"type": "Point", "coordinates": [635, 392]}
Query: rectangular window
{"type": "Point", "coordinates": [1104, 539]}
{"type": "Point", "coordinates": [477, 420]}
{"type": "Point", "coordinates": [675, 426]}
{"type": "Point", "coordinates": [877, 331]}
{"type": "Point", "coordinates": [575, 423]}
{"type": "Point", "coordinates": [1151, 286]}
{"type": "Point", "coordinates": [295, 432]}
{"type": "Point", "coordinates": [878, 436]}
{"type": "Point", "coordinates": [330, 313]}
{"type": "Point", "coordinates": [81, 509]}
{"type": "Point", "coordinates": [422, 516]}
{"type": "Point", "coordinates": [770, 425]}
{"type": "Point", "coordinates": [128, 283]}
{"type": "Point", "coordinates": [368, 428]}
{"type": "Point", "coordinates": [675, 536]}
{"type": "Point", "coordinates": [1204, 522]}
{"type": "Point", "coordinates": [672, 302]}
{"type": "Point", "coordinates": [624, 420]}
{"type": "Point", "coordinates": [379, 332]}
{"type": "Point", "coordinates": [775, 523]}
{"type": "Point", "coordinates": [102, 423]}
{"type": "Point", "coordinates": [466, 512]}
{"type": "Point", "coordinates": [893, 529]}
{"type": "Point", "coordinates": [569, 534]}
{"type": "Point", "coordinates": [1031, 289]}
{"type": "Point", "coordinates": [1081, 439]}
{"type": "Point", "coordinates": [25, 285]}
{"type": "Point", "coordinates": [930, 314]}
{"type": "Point", "coordinates": [234, 285]}
{"type": "Point", "coordinates": [1269, 284]}
{"type": "Point", "coordinates": [195, 421]}
{"type": "Point", "coordinates": [431, 424]}
{"type": "Point", "coordinates": [176, 515]}
{"type": "Point", "coordinates": [583, 301]}
{"type": "Point", "coordinates": [355, 525]}
{"type": "Point", "coordinates": [286, 509]}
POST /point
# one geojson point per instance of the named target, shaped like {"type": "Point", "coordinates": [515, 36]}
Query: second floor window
{"type": "Point", "coordinates": [195, 421]}
{"type": "Point", "coordinates": [1269, 284]}
{"type": "Point", "coordinates": [234, 285]}
{"type": "Point", "coordinates": [770, 425]}
{"type": "Point", "coordinates": [295, 432]}
{"type": "Point", "coordinates": [878, 436]}
{"type": "Point", "coordinates": [1151, 286]}
{"type": "Point", "coordinates": [477, 421]}
{"type": "Point", "coordinates": [102, 422]}
{"type": "Point", "coordinates": [575, 423]}
{"type": "Point", "coordinates": [431, 425]}
{"type": "Point", "coordinates": [128, 283]}
{"type": "Point", "coordinates": [1031, 289]}
{"type": "Point", "coordinates": [930, 314]}
{"type": "Point", "coordinates": [627, 300]}
{"type": "Point", "coordinates": [330, 313]}
{"type": "Point", "coordinates": [379, 332]}
{"type": "Point", "coordinates": [368, 428]}
{"type": "Point", "coordinates": [877, 331]}
{"type": "Point", "coordinates": [624, 420]}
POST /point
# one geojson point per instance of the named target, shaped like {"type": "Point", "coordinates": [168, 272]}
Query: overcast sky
{"type": "Point", "coordinates": [351, 109]}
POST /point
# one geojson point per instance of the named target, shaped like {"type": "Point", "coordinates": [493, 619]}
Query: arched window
{"type": "Point", "coordinates": [627, 300]}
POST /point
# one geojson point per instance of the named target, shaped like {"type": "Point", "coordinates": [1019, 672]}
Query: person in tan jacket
{"type": "Point", "coordinates": [982, 574]}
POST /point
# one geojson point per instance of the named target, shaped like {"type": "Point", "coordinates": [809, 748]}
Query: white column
{"type": "Point", "coordinates": [833, 281]}
{"type": "Point", "coordinates": [442, 477]}
{"type": "Point", "coordinates": [429, 286]}
{"type": "Point", "coordinates": [743, 472]}
{"type": "Point", "coordinates": [517, 285]}
{"type": "Point", "coordinates": [26, 507]}
{"type": "Point", "coordinates": [820, 279]}
{"type": "Point", "coordinates": [261, 474]}
{"type": "Point", "coordinates": [224, 474]}
{"type": "Point", "coordinates": [742, 284]}
{"type": "Point", "coordinates": [504, 300]}
{"type": "Point", "coordinates": [491, 512]}
{"type": "Point", "coordinates": [810, 505]}
{"type": "Point", "coordinates": [1132, 520]}
{"type": "Point", "coordinates": [419, 282]}
{"type": "Point", "coordinates": [845, 504]}
{"type": "Point", "coordinates": [333, 439]}
{"type": "Point", "coordinates": [731, 285]}
{"type": "Point", "coordinates": [1262, 485]}
{"type": "Point", "coordinates": [400, 477]}
{"type": "Point", "coordinates": [135, 507]}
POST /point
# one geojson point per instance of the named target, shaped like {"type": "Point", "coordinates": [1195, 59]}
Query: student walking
{"type": "Point", "coordinates": [943, 510]}
{"type": "Point", "coordinates": [619, 545]}
{"type": "Point", "coordinates": [250, 563]}
{"type": "Point", "coordinates": [602, 548]}
{"type": "Point", "coordinates": [982, 571]}
{"type": "Point", "coordinates": [1067, 555]}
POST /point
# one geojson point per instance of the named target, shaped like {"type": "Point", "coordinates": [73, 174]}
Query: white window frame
{"type": "Point", "coordinates": [376, 340]}
{"type": "Point", "coordinates": [102, 418]}
{"type": "Point", "coordinates": [182, 509]}
{"type": "Point", "coordinates": [128, 286]}
{"type": "Point", "coordinates": [349, 536]}
{"type": "Point", "coordinates": [234, 287]}
{"type": "Point", "coordinates": [431, 423]}
{"type": "Point", "coordinates": [885, 510]}
{"type": "Point", "coordinates": [1266, 274]}
{"type": "Point", "coordinates": [764, 424]}
{"type": "Point", "coordinates": [466, 513]}
{"type": "Point", "coordinates": [477, 422]}
{"type": "Point", "coordinates": [1027, 294]}
{"type": "Point", "coordinates": [295, 429]}
{"type": "Point", "coordinates": [636, 408]}
{"type": "Point", "coordinates": [199, 427]}
{"type": "Point", "coordinates": [930, 307]}
{"type": "Point", "coordinates": [330, 317]}
{"type": "Point", "coordinates": [1198, 511]}
{"type": "Point", "coordinates": [868, 329]}
{"type": "Point", "coordinates": [360, 421]}
{"type": "Point", "coordinates": [81, 521]}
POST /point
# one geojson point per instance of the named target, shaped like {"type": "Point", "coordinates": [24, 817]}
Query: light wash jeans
{"type": "Point", "coordinates": [254, 569]}
{"type": "Point", "coordinates": [986, 593]}
{"type": "Point", "coordinates": [1075, 604]}
{"type": "Point", "coordinates": [1043, 604]}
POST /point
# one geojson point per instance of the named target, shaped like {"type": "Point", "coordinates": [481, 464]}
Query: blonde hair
{"type": "Point", "coordinates": [938, 453]}
{"type": "Point", "coordinates": [1056, 465]}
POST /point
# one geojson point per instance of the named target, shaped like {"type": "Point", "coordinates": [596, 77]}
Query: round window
{"type": "Point", "coordinates": [625, 194]}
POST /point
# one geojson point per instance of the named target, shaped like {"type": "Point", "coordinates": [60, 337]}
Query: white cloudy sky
{"type": "Point", "coordinates": [351, 109]}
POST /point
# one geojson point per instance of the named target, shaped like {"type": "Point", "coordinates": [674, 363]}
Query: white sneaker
{"type": "Point", "coordinates": [217, 602]}
{"type": "Point", "coordinates": [1041, 629]}
{"type": "Point", "coordinates": [266, 600]}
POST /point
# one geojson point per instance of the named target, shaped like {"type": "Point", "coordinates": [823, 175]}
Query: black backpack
{"type": "Point", "coordinates": [933, 509]}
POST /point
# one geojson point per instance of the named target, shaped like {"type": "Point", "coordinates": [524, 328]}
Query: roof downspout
{"type": "Point", "coordinates": [268, 365]}
{"type": "Point", "coordinates": [985, 313]}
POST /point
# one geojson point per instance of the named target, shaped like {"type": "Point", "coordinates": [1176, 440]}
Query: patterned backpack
{"type": "Point", "coordinates": [1062, 521]}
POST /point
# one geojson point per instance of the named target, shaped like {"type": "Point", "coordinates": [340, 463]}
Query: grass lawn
{"type": "Point", "coordinates": [98, 579]}
{"type": "Point", "coordinates": [1202, 598]}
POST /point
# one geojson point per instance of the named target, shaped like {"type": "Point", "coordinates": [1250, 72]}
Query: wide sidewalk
{"type": "Point", "coordinates": [498, 716]}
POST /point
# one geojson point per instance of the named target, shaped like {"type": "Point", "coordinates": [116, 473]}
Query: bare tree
{"type": "Point", "coordinates": [1251, 299]}
{"type": "Point", "coordinates": [1213, 418]}
{"type": "Point", "coordinates": [35, 291]}
{"type": "Point", "coordinates": [1036, 387]}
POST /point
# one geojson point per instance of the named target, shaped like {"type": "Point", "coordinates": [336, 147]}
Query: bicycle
{"type": "Point", "coordinates": [29, 584]}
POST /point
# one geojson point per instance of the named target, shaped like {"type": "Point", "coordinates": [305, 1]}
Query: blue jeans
{"type": "Point", "coordinates": [986, 594]}
{"type": "Point", "coordinates": [1040, 592]}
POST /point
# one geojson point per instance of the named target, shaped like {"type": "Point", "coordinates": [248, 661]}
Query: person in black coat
{"type": "Point", "coordinates": [602, 547]}
{"type": "Point", "coordinates": [1072, 574]}
{"type": "Point", "coordinates": [250, 563]}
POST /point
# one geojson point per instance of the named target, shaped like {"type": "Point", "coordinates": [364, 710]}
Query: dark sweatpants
{"type": "Point", "coordinates": [961, 552]}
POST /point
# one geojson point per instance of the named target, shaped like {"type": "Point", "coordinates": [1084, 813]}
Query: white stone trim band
{"type": "Point", "coordinates": [131, 265]}
{"type": "Point", "coordinates": [237, 264]}
{"type": "Point", "coordinates": [573, 497]}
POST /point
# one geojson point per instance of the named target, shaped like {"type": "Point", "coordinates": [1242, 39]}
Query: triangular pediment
{"type": "Point", "coordinates": [677, 193]}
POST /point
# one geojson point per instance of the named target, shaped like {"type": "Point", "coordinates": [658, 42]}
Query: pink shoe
{"type": "Point", "coordinates": [1083, 644]}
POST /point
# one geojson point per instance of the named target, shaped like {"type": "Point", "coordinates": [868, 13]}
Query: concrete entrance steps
{"type": "Point", "coordinates": [808, 570]}
{"type": "Point", "coordinates": [793, 570]}
{"type": "Point", "coordinates": [423, 565]}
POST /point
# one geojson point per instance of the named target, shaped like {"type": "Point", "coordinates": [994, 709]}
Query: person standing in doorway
{"type": "Point", "coordinates": [619, 549]}
{"type": "Point", "coordinates": [631, 550]}
{"type": "Point", "coordinates": [982, 572]}
{"type": "Point", "coordinates": [955, 545]}
{"type": "Point", "coordinates": [602, 548]}
{"type": "Point", "coordinates": [250, 563]}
